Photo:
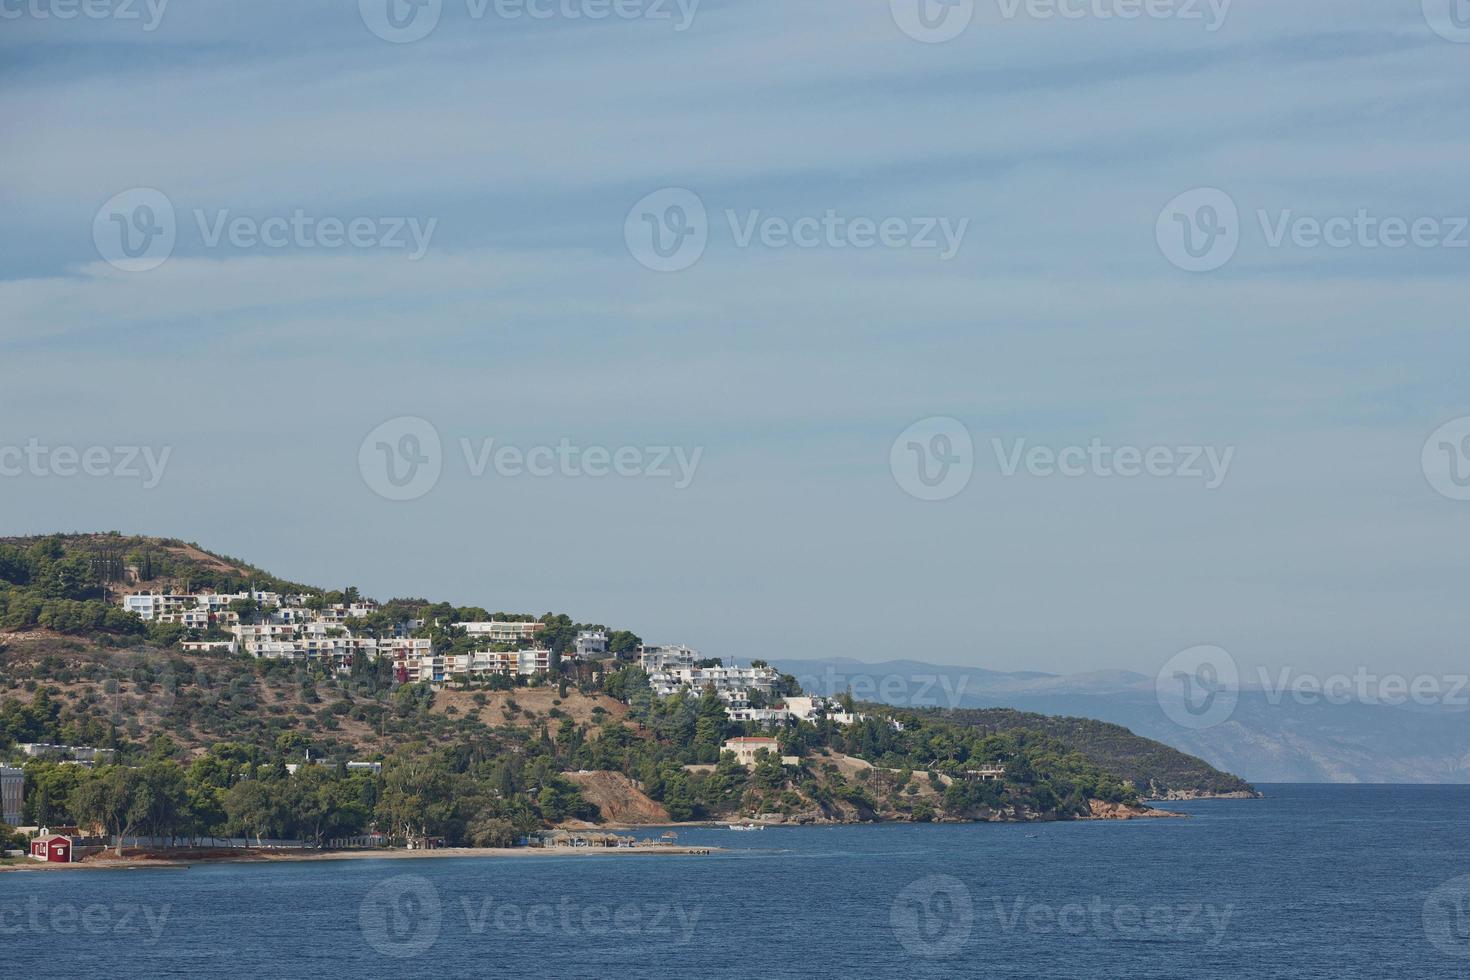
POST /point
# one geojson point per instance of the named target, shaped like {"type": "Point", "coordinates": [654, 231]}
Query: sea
{"type": "Point", "coordinates": [1331, 882]}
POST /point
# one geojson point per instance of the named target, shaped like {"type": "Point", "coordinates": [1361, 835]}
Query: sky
{"type": "Point", "coordinates": [840, 328]}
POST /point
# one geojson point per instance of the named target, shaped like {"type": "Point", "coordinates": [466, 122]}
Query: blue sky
{"type": "Point", "coordinates": [1060, 320]}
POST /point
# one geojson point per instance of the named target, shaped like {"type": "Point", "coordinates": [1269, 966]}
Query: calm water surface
{"type": "Point", "coordinates": [1313, 882]}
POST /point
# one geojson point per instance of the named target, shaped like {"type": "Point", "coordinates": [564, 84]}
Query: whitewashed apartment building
{"type": "Point", "coordinates": [500, 631]}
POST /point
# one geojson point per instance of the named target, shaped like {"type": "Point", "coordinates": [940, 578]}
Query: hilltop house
{"type": "Point", "coordinates": [746, 747]}
{"type": "Point", "coordinates": [590, 645]}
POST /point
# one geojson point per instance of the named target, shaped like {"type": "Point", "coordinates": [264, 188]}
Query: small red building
{"type": "Point", "coordinates": [52, 847]}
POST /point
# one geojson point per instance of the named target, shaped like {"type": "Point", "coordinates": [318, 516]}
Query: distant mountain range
{"type": "Point", "coordinates": [1285, 741]}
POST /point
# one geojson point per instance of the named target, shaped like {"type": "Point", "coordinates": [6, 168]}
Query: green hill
{"type": "Point", "coordinates": [1153, 767]}
{"type": "Point", "coordinates": [203, 739]}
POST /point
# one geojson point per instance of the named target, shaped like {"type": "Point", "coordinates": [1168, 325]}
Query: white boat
{"type": "Point", "coordinates": [747, 826]}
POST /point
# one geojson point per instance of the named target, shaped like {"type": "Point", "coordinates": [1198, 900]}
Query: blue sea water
{"type": "Point", "coordinates": [1331, 882]}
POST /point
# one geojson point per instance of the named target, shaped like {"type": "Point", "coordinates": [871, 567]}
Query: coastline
{"type": "Point", "coordinates": [1185, 795]}
{"type": "Point", "coordinates": [394, 854]}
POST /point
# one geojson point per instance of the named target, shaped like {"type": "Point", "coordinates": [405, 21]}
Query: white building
{"type": "Point", "coordinates": [151, 605]}
{"type": "Point", "coordinates": [500, 631]}
{"type": "Point", "coordinates": [424, 665]}
{"type": "Point", "coordinates": [209, 646]}
{"type": "Point", "coordinates": [659, 658]}
{"type": "Point", "coordinates": [590, 645]}
{"type": "Point", "coordinates": [80, 753]}
{"type": "Point", "coordinates": [732, 684]}
{"type": "Point", "coordinates": [747, 747]}
{"type": "Point", "coordinates": [160, 606]}
{"type": "Point", "coordinates": [12, 795]}
{"type": "Point", "coordinates": [811, 709]}
{"type": "Point", "coordinates": [759, 716]}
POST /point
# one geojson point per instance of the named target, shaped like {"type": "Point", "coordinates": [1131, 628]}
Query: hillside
{"type": "Point", "coordinates": [480, 760]}
{"type": "Point", "coordinates": [1154, 768]}
{"type": "Point", "coordinates": [1268, 738]}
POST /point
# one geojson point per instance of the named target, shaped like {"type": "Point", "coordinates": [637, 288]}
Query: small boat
{"type": "Point", "coordinates": [747, 826]}
{"type": "Point", "coordinates": [669, 835]}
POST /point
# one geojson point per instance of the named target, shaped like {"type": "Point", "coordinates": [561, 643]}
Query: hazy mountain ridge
{"type": "Point", "coordinates": [1268, 738]}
